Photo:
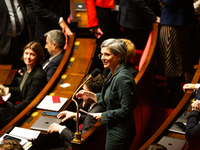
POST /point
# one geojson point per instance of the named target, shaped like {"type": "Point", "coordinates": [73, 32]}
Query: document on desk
{"type": "Point", "coordinates": [25, 133]}
{"type": "Point", "coordinates": [53, 103]}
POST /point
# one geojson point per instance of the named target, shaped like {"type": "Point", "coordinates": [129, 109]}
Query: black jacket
{"type": "Point", "coordinates": [33, 85]}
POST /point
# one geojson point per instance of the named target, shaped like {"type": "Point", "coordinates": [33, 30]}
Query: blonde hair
{"type": "Point", "coordinates": [130, 50]}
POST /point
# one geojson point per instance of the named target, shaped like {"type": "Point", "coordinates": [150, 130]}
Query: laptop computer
{"type": "Point", "coordinates": [172, 143]}
{"type": "Point", "coordinates": [43, 123]}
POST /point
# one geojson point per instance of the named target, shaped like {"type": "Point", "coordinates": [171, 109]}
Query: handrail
{"type": "Point", "coordinates": [45, 90]}
{"type": "Point", "coordinates": [90, 134]}
{"type": "Point", "coordinates": [176, 111]}
{"type": "Point", "coordinates": [150, 54]}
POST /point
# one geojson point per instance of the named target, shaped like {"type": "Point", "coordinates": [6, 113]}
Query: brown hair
{"type": "Point", "coordinates": [95, 84]}
{"type": "Point", "coordinates": [11, 145]}
{"type": "Point", "coordinates": [155, 146]}
{"type": "Point", "coordinates": [37, 48]}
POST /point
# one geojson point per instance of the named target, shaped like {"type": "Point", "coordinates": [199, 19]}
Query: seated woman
{"type": "Point", "coordinates": [7, 110]}
{"type": "Point", "coordinates": [33, 80]}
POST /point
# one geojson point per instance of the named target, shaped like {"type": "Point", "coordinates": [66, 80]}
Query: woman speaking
{"type": "Point", "coordinates": [118, 96]}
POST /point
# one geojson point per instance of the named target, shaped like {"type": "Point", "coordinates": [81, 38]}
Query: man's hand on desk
{"type": "Point", "coordinates": [189, 86]}
{"type": "Point", "coordinates": [64, 115]}
{"type": "Point", "coordinates": [54, 128]}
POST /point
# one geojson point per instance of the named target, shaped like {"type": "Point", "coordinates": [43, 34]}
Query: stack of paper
{"type": "Point", "coordinates": [53, 103]}
{"type": "Point", "coordinates": [25, 133]}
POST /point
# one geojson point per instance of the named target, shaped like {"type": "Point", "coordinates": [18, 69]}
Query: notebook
{"type": "Point", "coordinates": [172, 143]}
{"type": "Point", "coordinates": [43, 123]}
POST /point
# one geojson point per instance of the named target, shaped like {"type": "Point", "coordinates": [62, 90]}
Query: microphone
{"type": "Point", "coordinates": [93, 74]}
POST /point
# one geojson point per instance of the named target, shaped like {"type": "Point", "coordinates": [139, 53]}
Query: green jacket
{"type": "Point", "coordinates": [119, 97]}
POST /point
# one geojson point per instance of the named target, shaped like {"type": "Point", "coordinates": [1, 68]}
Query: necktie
{"type": "Point", "coordinates": [46, 63]}
{"type": "Point", "coordinates": [17, 23]}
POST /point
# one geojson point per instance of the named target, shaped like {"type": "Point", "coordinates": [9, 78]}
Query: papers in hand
{"type": "Point", "coordinates": [92, 114]}
{"type": "Point", "coordinates": [48, 104]}
{"type": "Point", "coordinates": [25, 133]}
{"type": "Point", "coordinates": [6, 97]}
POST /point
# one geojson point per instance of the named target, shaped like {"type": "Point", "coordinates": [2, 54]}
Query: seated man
{"type": "Point", "coordinates": [94, 85]}
{"type": "Point", "coordinates": [193, 127]}
{"type": "Point", "coordinates": [55, 42]}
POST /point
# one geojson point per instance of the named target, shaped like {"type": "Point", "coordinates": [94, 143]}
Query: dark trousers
{"type": "Point", "coordinates": [14, 55]}
{"type": "Point", "coordinates": [138, 36]}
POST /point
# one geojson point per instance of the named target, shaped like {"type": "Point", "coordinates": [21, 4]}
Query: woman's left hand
{"type": "Point", "coordinates": [97, 116]}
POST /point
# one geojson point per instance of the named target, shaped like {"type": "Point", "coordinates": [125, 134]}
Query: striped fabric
{"type": "Point", "coordinates": [174, 55]}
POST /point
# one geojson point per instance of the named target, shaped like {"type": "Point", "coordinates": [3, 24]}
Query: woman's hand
{"type": "Point", "coordinates": [64, 115]}
{"type": "Point", "coordinates": [96, 31]}
{"type": "Point", "coordinates": [54, 128]}
{"type": "Point", "coordinates": [83, 94]}
{"type": "Point", "coordinates": [97, 116]}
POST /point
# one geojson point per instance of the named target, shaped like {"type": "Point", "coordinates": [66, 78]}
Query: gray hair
{"type": "Point", "coordinates": [56, 36]}
{"type": "Point", "coordinates": [116, 47]}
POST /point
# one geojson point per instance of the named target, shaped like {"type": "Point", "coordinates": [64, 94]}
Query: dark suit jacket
{"type": "Point", "coordinates": [5, 27]}
{"type": "Point", "coordinates": [48, 13]}
{"type": "Point", "coordinates": [53, 64]}
{"type": "Point", "coordinates": [177, 12]}
{"type": "Point", "coordinates": [33, 85]}
{"type": "Point", "coordinates": [88, 122]}
{"type": "Point", "coordinates": [135, 14]}
{"type": "Point", "coordinates": [7, 113]}
{"type": "Point", "coordinates": [193, 130]}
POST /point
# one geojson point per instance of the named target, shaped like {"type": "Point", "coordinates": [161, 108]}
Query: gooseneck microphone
{"type": "Point", "coordinates": [93, 74]}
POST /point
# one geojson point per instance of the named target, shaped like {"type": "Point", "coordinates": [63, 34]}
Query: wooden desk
{"type": "Point", "coordinates": [10, 76]}
{"type": "Point", "coordinates": [7, 74]}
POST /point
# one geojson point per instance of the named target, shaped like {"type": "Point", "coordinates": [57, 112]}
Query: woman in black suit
{"type": "Point", "coordinates": [33, 79]}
